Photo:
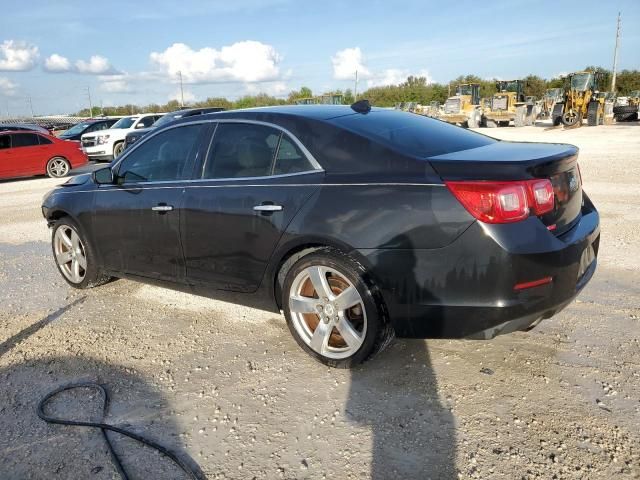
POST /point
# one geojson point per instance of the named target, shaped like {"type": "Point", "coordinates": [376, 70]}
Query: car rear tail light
{"type": "Point", "coordinates": [504, 202]}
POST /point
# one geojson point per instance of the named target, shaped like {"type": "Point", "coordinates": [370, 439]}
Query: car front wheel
{"type": "Point", "coordinates": [332, 312]}
{"type": "Point", "coordinates": [74, 256]}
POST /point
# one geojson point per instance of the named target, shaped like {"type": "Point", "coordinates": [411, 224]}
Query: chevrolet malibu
{"type": "Point", "coordinates": [357, 223]}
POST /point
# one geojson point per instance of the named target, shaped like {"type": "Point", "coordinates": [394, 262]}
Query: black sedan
{"type": "Point", "coordinates": [357, 223]}
{"type": "Point", "coordinates": [87, 126]}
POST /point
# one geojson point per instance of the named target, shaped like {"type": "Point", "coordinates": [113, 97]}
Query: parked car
{"type": "Point", "coordinates": [135, 135]}
{"type": "Point", "coordinates": [14, 127]}
{"type": "Point", "coordinates": [107, 144]}
{"type": "Point", "coordinates": [88, 126]}
{"type": "Point", "coordinates": [357, 223]}
{"type": "Point", "coordinates": [24, 154]}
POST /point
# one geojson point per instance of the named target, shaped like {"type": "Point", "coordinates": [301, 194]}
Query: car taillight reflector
{"type": "Point", "coordinates": [535, 283]}
{"type": "Point", "coordinates": [504, 202]}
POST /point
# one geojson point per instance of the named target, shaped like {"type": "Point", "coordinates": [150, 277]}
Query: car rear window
{"type": "Point", "coordinates": [412, 134]}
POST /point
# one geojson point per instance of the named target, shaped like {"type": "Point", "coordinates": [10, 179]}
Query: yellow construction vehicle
{"type": "Point", "coordinates": [464, 107]}
{"type": "Point", "coordinates": [552, 96]}
{"type": "Point", "coordinates": [582, 99]}
{"type": "Point", "coordinates": [509, 104]}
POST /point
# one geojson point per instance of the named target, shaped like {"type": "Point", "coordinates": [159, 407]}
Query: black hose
{"type": "Point", "coordinates": [104, 427]}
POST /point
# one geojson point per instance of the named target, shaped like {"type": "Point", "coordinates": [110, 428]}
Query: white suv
{"type": "Point", "coordinates": [106, 145]}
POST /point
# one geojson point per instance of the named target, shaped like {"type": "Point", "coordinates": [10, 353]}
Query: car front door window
{"type": "Point", "coordinates": [164, 157]}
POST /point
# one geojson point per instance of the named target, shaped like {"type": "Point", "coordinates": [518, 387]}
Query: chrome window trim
{"type": "Point", "coordinates": [314, 163]}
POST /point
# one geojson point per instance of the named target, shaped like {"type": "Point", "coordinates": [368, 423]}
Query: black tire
{"type": "Point", "coordinates": [625, 109]}
{"type": "Point", "coordinates": [556, 114]}
{"type": "Point", "coordinates": [569, 119]}
{"type": "Point", "coordinates": [118, 148]}
{"type": "Point", "coordinates": [58, 167]}
{"type": "Point", "coordinates": [504, 123]}
{"type": "Point", "coordinates": [593, 114]}
{"type": "Point", "coordinates": [93, 276]}
{"type": "Point", "coordinates": [378, 332]}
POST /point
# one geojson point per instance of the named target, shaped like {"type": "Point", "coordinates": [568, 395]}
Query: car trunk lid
{"type": "Point", "coordinates": [507, 161]}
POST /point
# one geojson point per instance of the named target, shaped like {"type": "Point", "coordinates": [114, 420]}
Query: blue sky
{"type": "Point", "coordinates": [131, 52]}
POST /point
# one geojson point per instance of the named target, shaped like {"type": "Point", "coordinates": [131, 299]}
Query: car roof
{"type": "Point", "coordinates": [7, 132]}
{"type": "Point", "coordinates": [316, 112]}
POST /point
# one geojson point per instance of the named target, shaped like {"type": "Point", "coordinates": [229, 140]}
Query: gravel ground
{"type": "Point", "coordinates": [228, 388]}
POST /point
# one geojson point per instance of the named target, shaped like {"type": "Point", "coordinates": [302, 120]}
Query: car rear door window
{"type": "Point", "coordinates": [44, 140]}
{"type": "Point", "coordinates": [290, 158]}
{"type": "Point", "coordinates": [164, 157]}
{"type": "Point", "coordinates": [146, 121]}
{"type": "Point", "coordinates": [241, 150]}
{"type": "Point", "coordinates": [25, 140]}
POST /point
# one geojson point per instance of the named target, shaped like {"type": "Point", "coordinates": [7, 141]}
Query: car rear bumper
{"type": "Point", "coordinates": [467, 289]}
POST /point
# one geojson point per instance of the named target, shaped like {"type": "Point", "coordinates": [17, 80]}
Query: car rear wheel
{"type": "Point", "coordinates": [58, 167]}
{"type": "Point", "coordinates": [74, 256]}
{"type": "Point", "coordinates": [332, 312]}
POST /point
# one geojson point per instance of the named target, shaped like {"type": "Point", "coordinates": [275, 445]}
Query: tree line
{"type": "Point", "coordinates": [413, 89]}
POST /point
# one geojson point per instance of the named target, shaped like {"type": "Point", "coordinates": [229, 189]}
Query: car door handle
{"type": "Point", "coordinates": [267, 208]}
{"type": "Point", "coordinates": [162, 208]}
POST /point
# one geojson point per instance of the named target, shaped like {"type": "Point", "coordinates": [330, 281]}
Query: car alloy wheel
{"type": "Point", "coordinates": [328, 312]}
{"type": "Point", "coordinates": [70, 254]}
{"type": "Point", "coordinates": [117, 150]}
{"type": "Point", "coordinates": [58, 167]}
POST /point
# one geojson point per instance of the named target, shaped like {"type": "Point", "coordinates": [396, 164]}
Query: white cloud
{"type": "Point", "coordinates": [7, 87]}
{"type": "Point", "coordinates": [346, 62]}
{"type": "Point", "coordinates": [97, 65]}
{"type": "Point", "coordinates": [275, 89]}
{"type": "Point", "coordinates": [247, 61]}
{"type": "Point", "coordinates": [57, 64]}
{"type": "Point", "coordinates": [395, 76]}
{"type": "Point", "coordinates": [16, 56]}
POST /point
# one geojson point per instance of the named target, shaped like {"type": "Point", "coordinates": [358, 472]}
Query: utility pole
{"type": "Point", "coordinates": [90, 104]}
{"type": "Point", "coordinates": [355, 90]}
{"type": "Point", "coordinates": [181, 90]}
{"type": "Point", "coordinates": [30, 106]}
{"type": "Point", "coordinates": [615, 57]}
{"type": "Point", "coordinates": [101, 108]}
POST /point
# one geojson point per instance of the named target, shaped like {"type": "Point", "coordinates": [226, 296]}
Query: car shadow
{"type": "Point", "coordinates": [396, 395]}
{"type": "Point", "coordinates": [87, 168]}
{"type": "Point", "coordinates": [31, 448]}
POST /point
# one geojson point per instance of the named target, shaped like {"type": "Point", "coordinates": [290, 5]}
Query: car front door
{"type": "Point", "coordinates": [28, 156]}
{"type": "Point", "coordinates": [254, 179]}
{"type": "Point", "coordinates": [136, 221]}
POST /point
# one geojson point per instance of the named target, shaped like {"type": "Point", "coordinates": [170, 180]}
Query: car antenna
{"type": "Point", "coordinates": [361, 106]}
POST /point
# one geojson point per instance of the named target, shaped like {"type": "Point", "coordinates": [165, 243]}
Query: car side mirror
{"type": "Point", "coordinates": [140, 125]}
{"type": "Point", "coordinates": [104, 176]}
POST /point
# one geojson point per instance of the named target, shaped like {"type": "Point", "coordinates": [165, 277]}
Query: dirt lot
{"type": "Point", "coordinates": [229, 388]}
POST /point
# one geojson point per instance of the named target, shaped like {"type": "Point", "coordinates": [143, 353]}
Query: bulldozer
{"type": "Point", "coordinates": [581, 99]}
{"type": "Point", "coordinates": [552, 96]}
{"type": "Point", "coordinates": [629, 111]}
{"type": "Point", "coordinates": [509, 104]}
{"type": "Point", "coordinates": [464, 107]}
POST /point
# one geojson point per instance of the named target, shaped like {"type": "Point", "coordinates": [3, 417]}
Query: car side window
{"type": "Point", "coordinates": [25, 140]}
{"type": "Point", "coordinates": [44, 140]}
{"type": "Point", "coordinates": [163, 157]}
{"type": "Point", "coordinates": [147, 121]}
{"type": "Point", "coordinates": [5, 141]}
{"type": "Point", "coordinates": [240, 150]}
{"type": "Point", "coordinates": [290, 158]}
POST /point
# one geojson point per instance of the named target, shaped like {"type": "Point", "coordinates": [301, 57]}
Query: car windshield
{"type": "Point", "coordinates": [79, 128]}
{"type": "Point", "coordinates": [511, 86]}
{"type": "Point", "coordinates": [581, 81]}
{"type": "Point", "coordinates": [125, 122]}
{"type": "Point", "coordinates": [169, 117]}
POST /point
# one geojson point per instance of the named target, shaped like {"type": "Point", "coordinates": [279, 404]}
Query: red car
{"type": "Point", "coordinates": [24, 154]}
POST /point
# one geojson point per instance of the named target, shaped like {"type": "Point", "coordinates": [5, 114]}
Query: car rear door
{"type": "Point", "coordinates": [136, 221]}
{"type": "Point", "coordinates": [254, 179]}
{"type": "Point", "coordinates": [6, 156]}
